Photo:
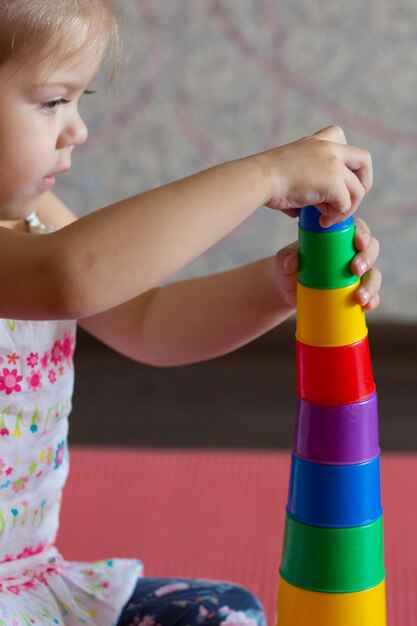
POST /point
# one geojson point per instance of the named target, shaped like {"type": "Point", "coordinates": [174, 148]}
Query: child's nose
{"type": "Point", "coordinates": [74, 133]}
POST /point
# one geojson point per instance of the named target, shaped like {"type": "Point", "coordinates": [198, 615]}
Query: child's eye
{"type": "Point", "coordinates": [51, 105]}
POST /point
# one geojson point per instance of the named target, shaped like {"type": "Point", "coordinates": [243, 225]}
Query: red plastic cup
{"type": "Point", "coordinates": [334, 375]}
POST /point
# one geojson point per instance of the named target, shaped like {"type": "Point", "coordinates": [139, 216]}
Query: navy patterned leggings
{"type": "Point", "coordinates": [190, 602]}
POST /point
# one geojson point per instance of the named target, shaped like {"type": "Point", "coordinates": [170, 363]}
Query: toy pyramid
{"type": "Point", "coordinates": [332, 570]}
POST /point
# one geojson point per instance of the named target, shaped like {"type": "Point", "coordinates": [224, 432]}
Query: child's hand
{"type": "Point", "coordinates": [321, 170]}
{"type": "Point", "coordinates": [362, 265]}
{"type": "Point", "coordinates": [367, 295]}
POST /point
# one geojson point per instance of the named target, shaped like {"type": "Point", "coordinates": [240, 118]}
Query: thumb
{"type": "Point", "coordinates": [286, 265]}
{"type": "Point", "coordinates": [287, 259]}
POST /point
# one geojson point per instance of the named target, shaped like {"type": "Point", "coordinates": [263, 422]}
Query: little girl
{"type": "Point", "coordinates": [103, 270]}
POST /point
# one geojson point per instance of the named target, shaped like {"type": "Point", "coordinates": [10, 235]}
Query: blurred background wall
{"type": "Point", "coordinates": [205, 81]}
{"type": "Point", "coordinates": [212, 80]}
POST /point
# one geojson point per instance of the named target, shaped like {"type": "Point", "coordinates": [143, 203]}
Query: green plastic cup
{"type": "Point", "coordinates": [333, 560]}
{"type": "Point", "coordinates": [325, 258]}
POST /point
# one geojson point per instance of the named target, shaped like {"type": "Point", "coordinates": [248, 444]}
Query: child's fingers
{"type": "Point", "coordinates": [337, 207]}
{"type": "Point", "coordinates": [291, 212]}
{"type": "Point", "coordinates": [366, 258]}
{"type": "Point", "coordinates": [348, 193]}
{"type": "Point", "coordinates": [356, 159]}
{"type": "Point", "coordinates": [366, 294]}
{"type": "Point", "coordinates": [359, 161]}
{"type": "Point", "coordinates": [356, 177]}
{"type": "Point", "coordinates": [356, 190]}
{"type": "Point", "coordinates": [286, 263]}
{"type": "Point", "coordinates": [287, 259]}
{"type": "Point", "coordinates": [362, 234]}
{"type": "Point", "coordinates": [348, 196]}
{"type": "Point", "coordinates": [373, 303]}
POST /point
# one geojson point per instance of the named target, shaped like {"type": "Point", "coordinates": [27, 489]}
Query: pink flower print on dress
{"type": "Point", "coordinates": [56, 353]}
{"type": "Point", "coordinates": [9, 381]}
{"type": "Point", "coordinates": [45, 361]}
{"type": "Point", "coordinates": [32, 359]}
{"type": "Point", "coordinates": [29, 584]}
{"type": "Point", "coordinates": [52, 376]}
{"type": "Point", "coordinates": [34, 381]}
{"type": "Point", "coordinates": [31, 550]}
{"type": "Point", "coordinates": [68, 346]}
{"type": "Point", "coordinates": [20, 484]}
{"type": "Point", "coordinates": [60, 453]}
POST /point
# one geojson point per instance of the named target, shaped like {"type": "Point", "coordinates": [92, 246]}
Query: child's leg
{"type": "Point", "coordinates": [187, 602]}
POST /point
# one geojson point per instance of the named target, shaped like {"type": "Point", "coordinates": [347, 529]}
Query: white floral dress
{"type": "Point", "coordinates": [37, 586]}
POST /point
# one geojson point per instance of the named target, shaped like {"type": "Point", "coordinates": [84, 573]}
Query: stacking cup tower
{"type": "Point", "coordinates": [332, 570]}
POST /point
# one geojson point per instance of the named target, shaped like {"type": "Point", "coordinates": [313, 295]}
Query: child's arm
{"type": "Point", "coordinates": [197, 319]}
{"type": "Point", "coordinates": [112, 255]}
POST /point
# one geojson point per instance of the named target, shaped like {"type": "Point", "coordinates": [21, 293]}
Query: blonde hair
{"type": "Point", "coordinates": [62, 27]}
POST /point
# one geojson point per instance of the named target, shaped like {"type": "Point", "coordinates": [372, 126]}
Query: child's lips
{"type": "Point", "coordinates": [49, 181]}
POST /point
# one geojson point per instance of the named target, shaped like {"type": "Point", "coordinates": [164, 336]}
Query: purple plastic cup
{"type": "Point", "coordinates": [337, 435]}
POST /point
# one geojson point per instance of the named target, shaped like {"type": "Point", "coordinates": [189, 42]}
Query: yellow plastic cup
{"type": "Point", "coordinates": [299, 607]}
{"type": "Point", "coordinates": [329, 317]}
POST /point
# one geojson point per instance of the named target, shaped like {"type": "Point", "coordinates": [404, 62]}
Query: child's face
{"type": "Point", "coordinates": [39, 126]}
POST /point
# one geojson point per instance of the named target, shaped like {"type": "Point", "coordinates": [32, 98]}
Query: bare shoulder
{"type": "Point", "coordinates": [53, 212]}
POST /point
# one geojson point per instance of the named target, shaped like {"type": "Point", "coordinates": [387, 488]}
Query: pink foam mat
{"type": "Point", "coordinates": [218, 515]}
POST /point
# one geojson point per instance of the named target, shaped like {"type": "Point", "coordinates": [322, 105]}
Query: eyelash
{"type": "Point", "coordinates": [51, 105]}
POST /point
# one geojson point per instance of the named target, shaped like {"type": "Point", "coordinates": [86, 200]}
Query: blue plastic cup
{"type": "Point", "coordinates": [334, 496]}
